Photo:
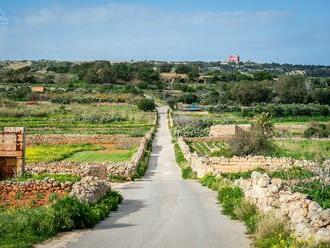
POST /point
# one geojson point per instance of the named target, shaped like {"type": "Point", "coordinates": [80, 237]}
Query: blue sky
{"type": "Point", "coordinates": [285, 31]}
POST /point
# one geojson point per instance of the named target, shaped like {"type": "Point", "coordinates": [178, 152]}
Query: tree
{"type": "Point", "coordinates": [166, 67]}
{"type": "Point", "coordinates": [183, 69]}
{"type": "Point", "coordinates": [146, 105]}
{"type": "Point", "coordinates": [292, 89]}
{"type": "Point", "coordinates": [262, 75]}
{"type": "Point", "coordinates": [322, 95]}
{"type": "Point", "coordinates": [190, 98]}
{"type": "Point", "coordinates": [248, 92]}
{"type": "Point", "coordinates": [148, 75]}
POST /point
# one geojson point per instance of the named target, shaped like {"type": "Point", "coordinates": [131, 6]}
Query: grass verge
{"type": "Point", "coordinates": [186, 171]}
{"type": "Point", "coordinates": [58, 177]}
{"type": "Point", "coordinates": [266, 230]}
{"type": "Point", "coordinates": [143, 164]}
{"type": "Point", "coordinates": [20, 228]}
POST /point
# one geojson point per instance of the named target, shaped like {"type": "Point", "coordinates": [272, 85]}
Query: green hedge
{"type": "Point", "coordinates": [276, 110]}
{"type": "Point", "coordinates": [27, 226]}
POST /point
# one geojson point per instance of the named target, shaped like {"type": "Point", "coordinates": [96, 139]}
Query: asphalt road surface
{"type": "Point", "coordinates": [164, 210]}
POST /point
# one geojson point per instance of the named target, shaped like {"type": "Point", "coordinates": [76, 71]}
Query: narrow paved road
{"type": "Point", "coordinates": [163, 210]}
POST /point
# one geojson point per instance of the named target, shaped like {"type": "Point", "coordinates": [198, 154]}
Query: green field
{"type": "Point", "coordinates": [103, 156]}
{"type": "Point", "coordinates": [211, 148]}
{"type": "Point", "coordinates": [78, 153]}
{"type": "Point", "coordinates": [45, 117]}
{"type": "Point", "coordinates": [50, 153]}
{"type": "Point", "coordinates": [302, 149]}
{"type": "Point", "coordinates": [297, 149]}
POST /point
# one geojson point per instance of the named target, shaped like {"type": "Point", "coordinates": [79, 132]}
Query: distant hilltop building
{"type": "Point", "coordinates": [234, 58]}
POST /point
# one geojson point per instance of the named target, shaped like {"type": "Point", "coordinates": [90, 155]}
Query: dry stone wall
{"type": "Point", "coordinates": [97, 169]}
{"type": "Point", "coordinates": [55, 139]}
{"type": "Point", "coordinates": [37, 192]}
{"type": "Point", "coordinates": [23, 193]}
{"type": "Point", "coordinates": [90, 189]}
{"type": "Point", "coordinates": [217, 165]}
{"type": "Point", "coordinates": [307, 218]}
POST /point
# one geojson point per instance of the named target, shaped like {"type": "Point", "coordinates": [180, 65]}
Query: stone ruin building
{"type": "Point", "coordinates": [12, 152]}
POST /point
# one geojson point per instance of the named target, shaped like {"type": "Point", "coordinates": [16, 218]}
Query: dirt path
{"type": "Point", "coordinates": [162, 210]}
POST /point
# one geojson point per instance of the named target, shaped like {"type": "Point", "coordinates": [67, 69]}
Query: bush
{"type": "Point", "coordinates": [25, 227]}
{"type": "Point", "coordinates": [317, 130]}
{"type": "Point", "coordinates": [257, 140]}
{"type": "Point", "coordinates": [71, 213]}
{"type": "Point", "coordinates": [146, 105]}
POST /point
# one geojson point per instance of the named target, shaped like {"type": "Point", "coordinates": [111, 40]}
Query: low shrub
{"type": "Point", "coordinates": [317, 130]}
{"type": "Point", "coordinates": [70, 213]}
{"type": "Point", "coordinates": [146, 105]}
{"type": "Point", "coordinates": [255, 141]}
{"type": "Point", "coordinates": [25, 227]}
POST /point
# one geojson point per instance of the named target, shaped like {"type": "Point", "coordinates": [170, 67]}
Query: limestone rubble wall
{"type": "Point", "coordinates": [90, 189]}
{"type": "Point", "coordinates": [37, 191]}
{"type": "Point", "coordinates": [217, 165]}
{"type": "Point", "coordinates": [307, 218]}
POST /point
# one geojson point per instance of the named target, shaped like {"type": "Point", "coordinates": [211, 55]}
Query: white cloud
{"type": "Point", "coordinates": [135, 14]}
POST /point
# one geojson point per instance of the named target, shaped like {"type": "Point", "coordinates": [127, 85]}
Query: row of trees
{"type": "Point", "coordinates": [287, 90]}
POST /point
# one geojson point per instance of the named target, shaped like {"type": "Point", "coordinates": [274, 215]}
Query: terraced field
{"type": "Point", "coordinates": [211, 148]}
{"type": "Point", "coordinates": [45, 118]}
{"type": "Point", "coordinates": [297, 149]}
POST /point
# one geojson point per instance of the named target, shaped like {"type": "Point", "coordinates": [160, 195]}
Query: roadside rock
{"type": "Point", "coordinates": [90, 189]}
